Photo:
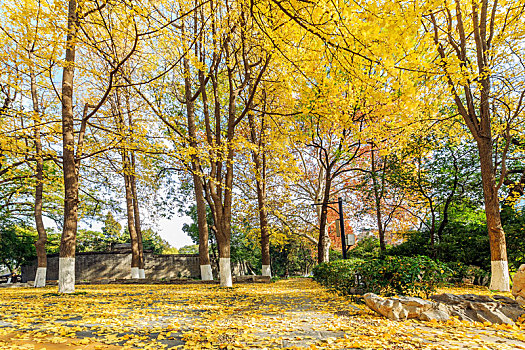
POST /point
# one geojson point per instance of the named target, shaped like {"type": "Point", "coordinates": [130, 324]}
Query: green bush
{"type": "Point", "coordinates": [366, 248]}
{"type": "Point", "coordinates": [338, 275]}
{"type": "Point", "coordinates": [461, 273]}
{"type": "Point", "coordinates": [391, 275]}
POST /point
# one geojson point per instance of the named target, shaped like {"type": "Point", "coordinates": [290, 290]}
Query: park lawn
{"type": "Point", "coordinates": [294, 313]}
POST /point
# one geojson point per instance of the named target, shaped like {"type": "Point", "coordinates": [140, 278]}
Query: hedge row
{"type": "Point", "coordinates": [390, 275]}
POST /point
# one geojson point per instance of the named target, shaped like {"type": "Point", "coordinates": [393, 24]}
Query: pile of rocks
{"type": "Point", "coordinates": [403, 308]}
{"type": "Point", "coordinates": [469, 307]}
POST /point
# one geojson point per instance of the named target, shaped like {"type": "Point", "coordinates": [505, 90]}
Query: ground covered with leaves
{"type": "Point", "coordinates": [293, 314]}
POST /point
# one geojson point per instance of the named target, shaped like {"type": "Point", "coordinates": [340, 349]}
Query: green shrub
{"type": "Point", "coordinates": [339, 275]}
{"type": "Point", "coordinates": [391, 275]}
{"type": "Point", "coordinates": [366, 248]}
{"type": "Point", "coordinates": [461, 273]}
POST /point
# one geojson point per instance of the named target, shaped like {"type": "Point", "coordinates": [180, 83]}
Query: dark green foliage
{"type": "Point", "coordinates": [366, 248]}
{"type": "Point", "coordinates": [192, 230]}
{"type": "Point", "coordinates": [335, 255]}
{"type": "Point", "coordinates": [112, 228]}
{"type": "Point", "coordinates": [462, 273]}
{"type": "Point", "coordinates": [93, 241]}
{"type": "Point", "coordinates": [417, 276]}
{"type": "Point", "coordinates": [465, 240]}
{"type": "Point", "coordinates": [339, 275]}
{"type": "Point", "coordinates": [151, 240]}
{"type": "Point", "coordinates": [467, 243]}
{"type": "Point", "coordinates": [243, 251]}
{"type": "Point", "coordinates": [16, 246]}
{"type": "Point", "coordinates": [463, 244]}
{"type": "Point", "coordinates": [514, 226]}
{"type": "Point", "coordinates": [291, 259]}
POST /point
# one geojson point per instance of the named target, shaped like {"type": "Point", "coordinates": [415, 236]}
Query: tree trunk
{"type": "Point", "coordinates": [222, 216]}
{"type": "Point", "coordinates": [136, 214]}
{"type": "Point", "coordinates": [498, 251]}
{"type": "Point", "coordinates": [478, 120]}
{"type": "Point", "coordinates": [377, 197]}
{"type": "Point", "coordinates": [323, 246]}
{"type": "Point", "coordinates": [223, 241]}
{"type": "Point", "coordinates": [66, 269]}
{"type": "Point", "coordinates": [260, 180]}
{"type": "Point", "coordinates": [265, 235]}
{"type": "Point", "coordinates": [202, 223]}
{"type": "Point", "coordinates": [135, 255]}
{"type": "Point", "coordinates": [40, 244]}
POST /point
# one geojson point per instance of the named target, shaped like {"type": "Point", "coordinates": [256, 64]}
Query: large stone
{"type": "Point", "coordinates": [469, 307]}
{"type": "Point", "coordinates": [518, 285]}
{"type": "Point", "coordinates": [403, 308]}
{"type": "Point", "coordinates": [481, 308]}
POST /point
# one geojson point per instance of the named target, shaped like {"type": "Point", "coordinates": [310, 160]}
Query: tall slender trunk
{"type": "Point", "coordinates": [260, 180]}
{"type": "Point", "coordinates": [221, 208]}
{"type": "Point", "coordinates": [136, 216]}
{"type": "Point", "coordinates": [40, 244]}
{"type": "Point", "coordinates": [220, 202]}
{"type": "Point", "coordinates": [202, 223]}
{"type": "Point", "coordinates": [263, 220]}
{"type": "Point", "coordinates": [128, 173]}
{"type": "Point", "coordinates": [135, 256]}
{"type": "Point", "coordinates": [377, 198]}
{"type": "Point", "coordinates": [136, 209]}
{"type": "Point", "coordinates": [323, 246]}
{"type": "Point", "coordinates": [224, 243]}
{"type": "Point", "coordinates": [498, 253]}
{"type": "Point", "coordinates": [66, 274]}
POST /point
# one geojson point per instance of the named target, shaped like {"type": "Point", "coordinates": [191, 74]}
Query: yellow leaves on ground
{"type": "Point", "coordinates": [291, 314]}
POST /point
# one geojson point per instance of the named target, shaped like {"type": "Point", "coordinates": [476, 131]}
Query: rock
{"type": "Point", "coordinates": [482, 308]}
{"type": "Point", "coordinates": [518, 283]}
{"type": "Point", "coordinates": [438, 313]}
{"type": "Point", "coordinates": [510, 307]}
{"type": "Point", "coordinates": [520, 300]}
{"type": "Point", "coordinates": [403, 308]}
{"type": "Point", "coordinates": [469, 307]}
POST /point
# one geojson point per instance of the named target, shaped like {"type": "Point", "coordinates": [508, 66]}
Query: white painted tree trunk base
{"type": "Point", "coordinates": [134, 272]}
{"type": "Point", "coordinates": [225, 272]}
{"type": "Point", "coordinates": [499, 278]}
{"type": "Point", "coordinates": [206, 273]}
{"type": "Point", "coordinates": [142, 274]}
{"type": "Point", "coordinates": [66, 275]}
{"type": "Point", "coordinates": [326, 248]}
{"type": "Point", "coordinates": [40, 277]}
{"type": "Point", "coordinates": [266, 270]}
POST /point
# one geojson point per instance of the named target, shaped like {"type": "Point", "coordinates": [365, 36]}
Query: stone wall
{"type": "Point", "coordinates": [110, 265]}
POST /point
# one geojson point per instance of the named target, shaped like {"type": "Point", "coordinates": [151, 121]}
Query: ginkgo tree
{"type": "Point", "coordinates": [30, 53]}
{"type": "Point", "coordinates": [479, 46]}
{"type": "Point", "coordinates": [114, 32]}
